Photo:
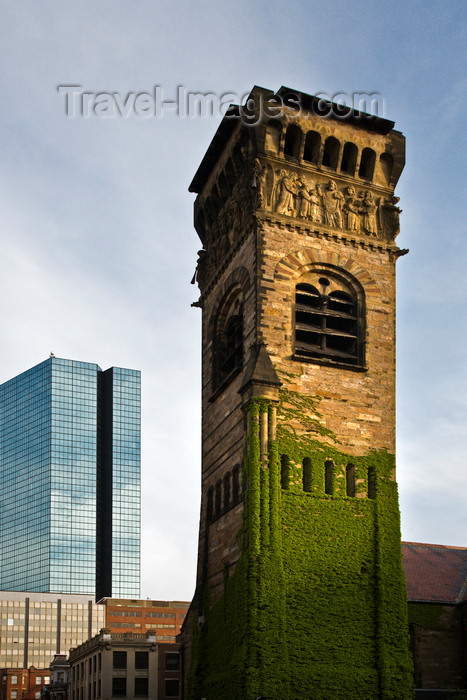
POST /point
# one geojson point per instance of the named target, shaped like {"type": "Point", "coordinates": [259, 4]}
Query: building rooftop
{"type": "Point", "coordinates": [435, 573]}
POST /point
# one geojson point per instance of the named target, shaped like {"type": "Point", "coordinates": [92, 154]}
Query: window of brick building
{"type": "Point", "coordinates": [172, 661]}
{"type": "Point", "coordinates": [172, 688]}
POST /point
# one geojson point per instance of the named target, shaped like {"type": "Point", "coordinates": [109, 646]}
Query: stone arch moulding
{"type": "Point", "coordinates": [238, 278]}
{"type": "Point", "coordinates": [296, 264]}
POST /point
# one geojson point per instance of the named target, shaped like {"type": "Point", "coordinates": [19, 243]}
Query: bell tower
{"type": "Point", "coordinates": [300, 590]}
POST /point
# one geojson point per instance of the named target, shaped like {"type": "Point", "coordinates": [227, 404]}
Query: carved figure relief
{"type": "Point", "coordinates": [287, 189]}
{"type": "Point", "coordinates": [390, 218]}
{"type": "Point", "coordinates": [295, 195]}
{"type": "Point", "coordinates": [352, 208]}
{"type": "Point", "coordinates": [309, 204]}
{"type": "Point", "coordinates": [369, 209]}
{"type": "Point", "coordinates": [332, 204]}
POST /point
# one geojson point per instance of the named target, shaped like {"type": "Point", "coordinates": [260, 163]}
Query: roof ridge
{"type": "Point", "coordinates": [430, 544]}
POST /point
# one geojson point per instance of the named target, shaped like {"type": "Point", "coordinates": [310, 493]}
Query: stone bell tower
{"type": "Point", "coordinates": [300, 591]}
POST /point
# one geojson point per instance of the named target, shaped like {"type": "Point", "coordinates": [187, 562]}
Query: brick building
{"type": "Point", "coordinates": [436, 578]}
{"type": "Point", "coordinates": [23, 684]}
{"type": "Point", "coordinates": [165, 617]}
{"type": "Point", "coordinates": [300, 589]}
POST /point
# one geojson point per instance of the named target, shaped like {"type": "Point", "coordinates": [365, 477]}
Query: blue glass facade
{"type": "Point", "coordinates": [70, 480]}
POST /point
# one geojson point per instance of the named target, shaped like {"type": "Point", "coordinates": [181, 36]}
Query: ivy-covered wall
{"type": "Point", "coordinates": [316, 607]}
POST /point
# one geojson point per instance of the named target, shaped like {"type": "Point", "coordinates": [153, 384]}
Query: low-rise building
{"type": "Point", "coordinates": [113, 665]}
{"type": "Point", "coordinates": [59, 677]}
{"type": "Point", "coordinates": [436, 578]}
{"type": "Point", "coordinates": [23, 684]}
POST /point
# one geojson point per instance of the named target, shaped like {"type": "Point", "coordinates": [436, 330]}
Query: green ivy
{"type": "Point", "coordinates": [427, 615]}
{"type": "Point", "coordinates": [316, 607]}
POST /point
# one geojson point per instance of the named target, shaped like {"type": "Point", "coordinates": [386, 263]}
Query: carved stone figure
{"type": "Point", "coordinates": [352, 207]}
{"type": "Point", "coordinates": [259, 182]}
{"type": "Point", "coordinates": [286, 190]}
{"type": "Point", "coordinates": [369, 209]}
{"type": "Point", "coordinates": [332, 204]}
{"type": "Point", "coordinates": [315, 207]}
{"type": "Point", "coordinates": [390, 218]}
{"type": "Point", "coordinates": [304, 199]}
{"type": "Point", "coordinates": [202, 265]}
{"type": "Point", "coordinates": [309, 206]}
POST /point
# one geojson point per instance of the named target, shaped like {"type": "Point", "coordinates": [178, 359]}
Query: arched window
{"type": "Point", "coordinates": [228, 339]}
{"type": "Point", "coordinates": [367, 163]}
{"type": "Point", "coordinates": [328, 319]}
{"type": "Point", "coordinates": [293, 137]}
{"type": "Point", "coordinates": [312, 147]}
{"type": "Point", "coordinates": [387, 164]}
{"type": "Point", "coordinates": [331, 152]}
{"type": "Point", "coordinates": [306, 474]}
{"type": "Point", "coordinates": [350, 485]}
{"type": "Point", "coordinates": [273, 136]}
{"type": "Point", "coordinates": [285, 471]}
{"type": "Point", "coordinates": [349, 158]}
{"type": "Point", "coordinates": [329, 477]}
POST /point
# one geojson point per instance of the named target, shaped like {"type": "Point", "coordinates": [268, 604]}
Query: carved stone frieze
{"type": "Point", "coordinates": [324, 202]}
{"type": "Point", "coordinates": [234, 218]}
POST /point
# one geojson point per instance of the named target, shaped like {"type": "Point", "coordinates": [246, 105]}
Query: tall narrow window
{"type": "Point", "coordinates": [236, 491]}
{"type": "Point", "coordinates": [349, 158]}
{"type": "Point", "coordinates": [285, 471]}
{"type": "Point", "coordinates": [312, 147]}
{"type": "Point", "coordinates": [328, 320]}
{"type": "Point", "coordinates": [218, 498]}
{"type": "Point", "coordinates": [367, 163]}
{"type": "Point", "coordinates": [227, 481]}
{"type": "Point", "coordinates": [273, 136]}
{"type": "Point", "coordinates": [387, 164]}
{"type": "Point", "coordinates": [371, 482]}
{"type": "Point", "coordinates": [228, 340]}
{"type": "Point", "coordinates": [331, 152]}
{"type": "Point", "coordinates": [329, 477]}
{"type": "Point", "coordinates": [306, 474]}
{"type": "Point", "coordinates": [293, 137]}
{"type": "Point", "coordinates": [350, 480]}
{"type": "Point", "coordinates": [210, 506]}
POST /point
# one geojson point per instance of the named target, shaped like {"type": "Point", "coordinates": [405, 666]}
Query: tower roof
{"type": "Point", "coordinates": [307, 103]}
{"type": "Point", "coordinates": [260, 377]}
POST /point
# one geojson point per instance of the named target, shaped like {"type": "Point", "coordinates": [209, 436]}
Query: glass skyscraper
{"type": "Point", "coordinates": [70, 480]}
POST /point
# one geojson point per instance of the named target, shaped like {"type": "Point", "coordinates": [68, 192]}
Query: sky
{"type": "Point", "coordinates": [97, 246]}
